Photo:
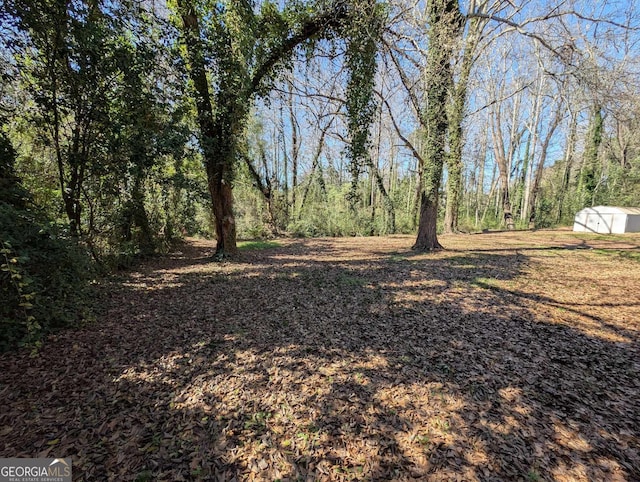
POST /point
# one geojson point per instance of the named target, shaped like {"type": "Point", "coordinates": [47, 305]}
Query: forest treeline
{"type": "Point", "coordinates": [126, 126]}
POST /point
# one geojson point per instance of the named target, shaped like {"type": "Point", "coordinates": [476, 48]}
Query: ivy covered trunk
{"type": "Point", "coordinates": [445, 26]}
{"type": "Point", "coordinates": [135, 216]}
{"type": "Point", "coordinates": [589, 176]}
{"type": "Point", "coordinates": [454, 195]}
{"type": "Point", "coordinates": [222, 206]}
{"type": "Point", "coordinates": [214, 138]}
{"type": "Point", "coordinates": [454, 159]}
{"type": "Point", "coordinates": [456, 113]}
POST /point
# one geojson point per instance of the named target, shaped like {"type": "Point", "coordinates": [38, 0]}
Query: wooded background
{"type": "Point", "coordinates": [128, 125]}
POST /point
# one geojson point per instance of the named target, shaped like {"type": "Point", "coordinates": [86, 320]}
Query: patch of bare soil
{"type": "Point", "coordinates": [509, 356]}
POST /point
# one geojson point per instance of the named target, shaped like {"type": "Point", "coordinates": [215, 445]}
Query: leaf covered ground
{"type": "Point", "coordinates": [509, 356]}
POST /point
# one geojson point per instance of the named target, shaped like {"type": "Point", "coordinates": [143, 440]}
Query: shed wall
{"type": "Point", "coordinates": [580, 221]}
{"type": "Point", "coordinates": [619, 223]}
{"type": "Point", "coordinates": [633, 223]}
{"type": "Point", "coordinates": [598, 220]}
{"type": "Point", "coordinates": [598, 223]}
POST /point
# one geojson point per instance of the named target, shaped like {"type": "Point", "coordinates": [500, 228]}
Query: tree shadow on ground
{"type": "Point", "coordinates": [314, 362]}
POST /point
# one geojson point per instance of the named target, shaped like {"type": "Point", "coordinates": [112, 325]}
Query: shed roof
{"type": "Point", "coordinates": [611, 210]}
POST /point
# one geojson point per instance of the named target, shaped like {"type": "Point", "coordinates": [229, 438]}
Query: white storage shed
{"type": "Point", "coordinates": [608, 220]}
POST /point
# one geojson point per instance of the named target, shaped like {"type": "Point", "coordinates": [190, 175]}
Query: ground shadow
{"type": "Point", "coordinates": [301, 363]}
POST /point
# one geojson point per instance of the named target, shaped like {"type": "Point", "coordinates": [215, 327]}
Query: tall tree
{"type": "Point", "coordinates": [590, 170]}
{"type": "Point", "coordinates": [90, 68]}
{"type": "Point", "coordinates": [445, 27]}
{"type": "Point", "coordinates": [568, 160]}
{"type": "Point", "coordinates": [455, 117]}
{"type": "Point", "coordinates": [68, 64]}
{"type": "Point", "coordinates": [537, 176]}
{"type": "Point", "coordinates": [241, 51]}
{"type": "Point", "coordinates": [504, 157]}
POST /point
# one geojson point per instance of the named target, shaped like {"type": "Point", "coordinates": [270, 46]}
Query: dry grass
{"type": "Point", "coordinates": [509, 356]}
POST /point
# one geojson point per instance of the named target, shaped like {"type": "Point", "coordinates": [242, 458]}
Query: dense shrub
{"type": "Point", "coordinates": [43, 275]}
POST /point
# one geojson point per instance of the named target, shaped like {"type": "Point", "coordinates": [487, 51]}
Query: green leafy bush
{"type": "Point", "coordinates": [43, 275]}
{"type": "Point", "coordinates": [43, 278]}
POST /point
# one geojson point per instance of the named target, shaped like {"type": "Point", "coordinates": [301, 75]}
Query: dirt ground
{"type": "Point", "coordinates": [508, 356]}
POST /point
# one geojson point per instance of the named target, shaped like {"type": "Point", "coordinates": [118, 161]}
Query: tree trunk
{"type": "Point", "coordinates": [315, 164]}
{"type": "Point", "coordinates": [216, 141]}
{"type": "Point", "coordinates": [506, 208]}
{"type": "Point", "coordinates": [480, 185]}
{"type": "Point", "coordinates": [222, 204]}
{"type": "Point", "coordinates": [415, 207]}
{"type": "Point", "coordinates": [568, 164]}
{"type": "Point", "coordinates": [427, 239]}
{"type": "Point", "coordinates": [492, 190]}
{"type": "Point", "coordinates": [456, 138]}
{"type": "Point", "coordinates": [386, 199]}
{"type": "Point", "coordinates": [588, 180]}
{"type": "Point", "coordinates": [377, 179]}
{"type": "Point", "coordinates": [522, 184]}
{"type": "Point", "coordinates": [138, 217]}
{"type": "Point", "coordinates": [265, 188]}
{"type": "Point", "coordinates": [454, 191]}
{"type": "Point", "coordinates": [445, 22]}
{"type": "Point", "coordinates": [10, 189]}
{"type": "Point", "coordinates": [295, 148]}
{"type": "Point", "coordinates": [503, 161]}
{"type": "Point", "coordinates": [70, 186]}
{"type": "Point", "coordinates": [535, 188]}
{"type": "Point", "coordinates": [531, 153]}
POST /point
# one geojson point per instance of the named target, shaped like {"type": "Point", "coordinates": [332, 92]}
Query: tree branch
{"type": "Point", "coordinates": [309, 29]}
{"type": "Point", "coordinates": [406, 141]}
{"type": "Point", "coordinates": [519, 28]}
